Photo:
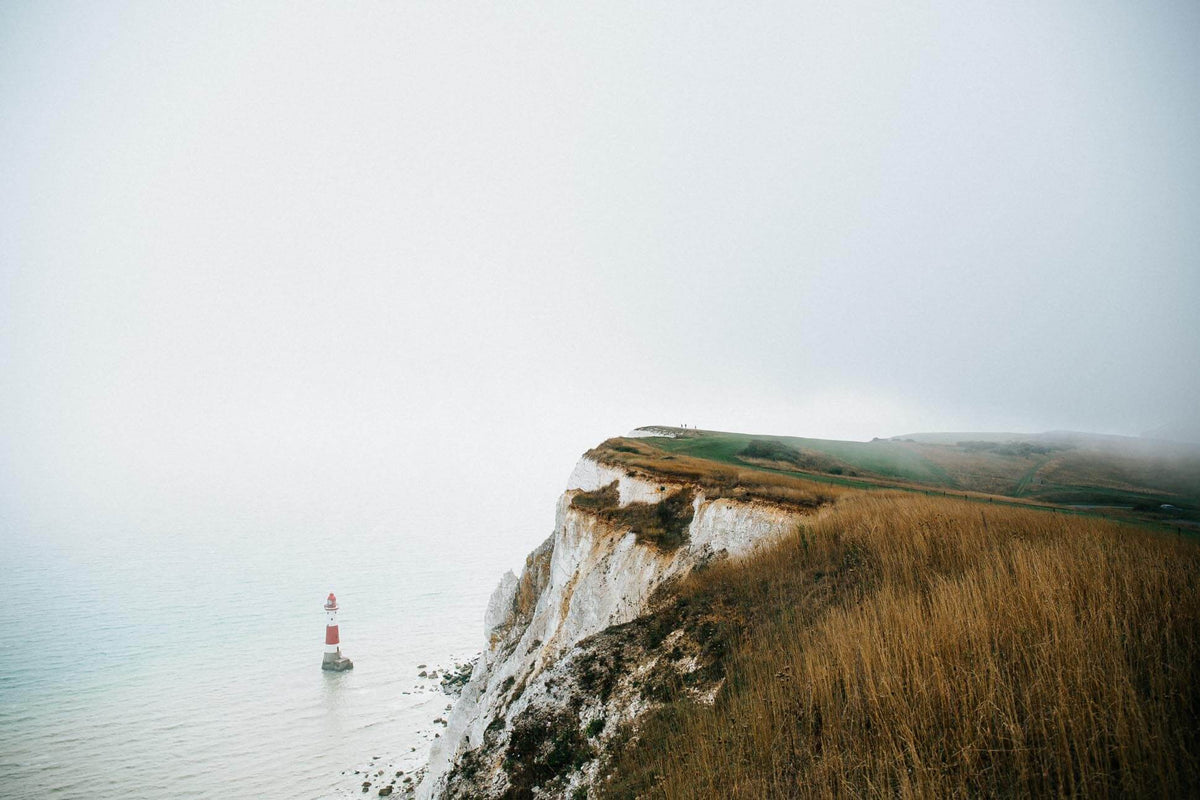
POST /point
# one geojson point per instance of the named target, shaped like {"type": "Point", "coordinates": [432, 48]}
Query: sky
{"type": "Point", "coordinates": [272, 258]}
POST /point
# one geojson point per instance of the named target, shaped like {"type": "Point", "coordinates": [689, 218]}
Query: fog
{"type": "Point", "coordinates": [342, 262]}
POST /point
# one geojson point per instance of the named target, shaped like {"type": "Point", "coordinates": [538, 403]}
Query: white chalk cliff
{"type": "Point", "coordinates": [591, 575]}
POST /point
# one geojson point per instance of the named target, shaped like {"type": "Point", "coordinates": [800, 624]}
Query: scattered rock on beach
{"type": "Point", "coordinates": [454, 680]}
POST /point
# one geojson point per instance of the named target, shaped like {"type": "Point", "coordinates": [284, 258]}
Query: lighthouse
{"type": "Point", "coordinates": [333, 660]}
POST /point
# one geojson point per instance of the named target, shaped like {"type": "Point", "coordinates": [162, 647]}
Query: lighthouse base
{"type": "Point", "coordinates": [336, 662]}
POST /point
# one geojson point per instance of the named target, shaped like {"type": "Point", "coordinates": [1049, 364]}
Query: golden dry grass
{"type": "Point", "coordinates": [907, 646]}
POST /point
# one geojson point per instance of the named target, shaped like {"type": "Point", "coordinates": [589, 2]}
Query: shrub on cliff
{"type": "Point", "coordinates": [543, 747]}
{"type": "Point", "coordinates": [663, 524]}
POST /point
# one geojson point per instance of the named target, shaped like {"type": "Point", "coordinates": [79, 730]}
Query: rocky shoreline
{"type": "Point", "coordinates": [398, 776]}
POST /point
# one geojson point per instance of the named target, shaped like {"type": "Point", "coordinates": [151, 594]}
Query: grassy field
{"type": "Point", "coordinates": [903, 645]}
{"type": "Point", "coordinates": [878, 458]}
{"type": "Point", "coordinates": [1065, 471]}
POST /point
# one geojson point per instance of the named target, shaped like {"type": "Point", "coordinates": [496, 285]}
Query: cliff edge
{"type": "Point", "coordinates": [566, 663]}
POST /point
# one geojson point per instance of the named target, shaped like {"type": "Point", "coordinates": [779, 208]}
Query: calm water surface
{"type": "Point", "coordinates": [146, 663]}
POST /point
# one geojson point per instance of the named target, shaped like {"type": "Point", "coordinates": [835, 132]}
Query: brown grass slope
{"type": "Point", "coordinates": [908, 646]}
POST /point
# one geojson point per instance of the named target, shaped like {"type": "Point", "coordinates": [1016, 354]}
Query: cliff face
{"type": "Point", "coordinates": [569, 654]}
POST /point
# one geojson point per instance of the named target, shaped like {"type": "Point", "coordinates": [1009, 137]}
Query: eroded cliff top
{"type": "Point", "coordinates": [735, 479]}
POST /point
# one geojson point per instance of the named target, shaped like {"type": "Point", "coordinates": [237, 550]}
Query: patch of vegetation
{"type": "Point", "coordinates": [601, 499]}
{"type": "Point", "coordinates": [468, 764]}
{"type": "Point", "coordinates": [662, 683]}
{"type": "Point", "coordinates": [1018, 449]}
{"type": "Point", "coordinates": [663, 524]}
{"type": "Point", "coordinates": [598, 672]}
{"type": "Point", "coordinates": [545, 745]}
{"type": "Point", "coordinates": [594, 727]}
{"type": "Point", "coordinates": [774, 452]}
{"type": "Point", "coordinates": [772, 449]}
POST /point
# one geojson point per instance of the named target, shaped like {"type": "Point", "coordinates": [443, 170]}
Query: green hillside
{"type": "Point", "coordinates": [1121, 477]}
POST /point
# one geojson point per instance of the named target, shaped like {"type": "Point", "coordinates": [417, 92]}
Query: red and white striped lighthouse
{"type": "Point", "coordinates": [333, 659]}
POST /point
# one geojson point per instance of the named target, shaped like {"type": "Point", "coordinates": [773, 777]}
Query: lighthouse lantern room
{"type": "Point", "coordinates": [333, 659]}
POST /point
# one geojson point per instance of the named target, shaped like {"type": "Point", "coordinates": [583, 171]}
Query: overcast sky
{"type": "Point", "coordinates": [251, 253]}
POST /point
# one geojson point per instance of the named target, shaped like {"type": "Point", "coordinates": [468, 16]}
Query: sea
{"type": "Point", "coordinates": [183, 660]}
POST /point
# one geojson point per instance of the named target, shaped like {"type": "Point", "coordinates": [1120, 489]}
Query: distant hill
{"type": "Point", "coordinates": [1146, 444]}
